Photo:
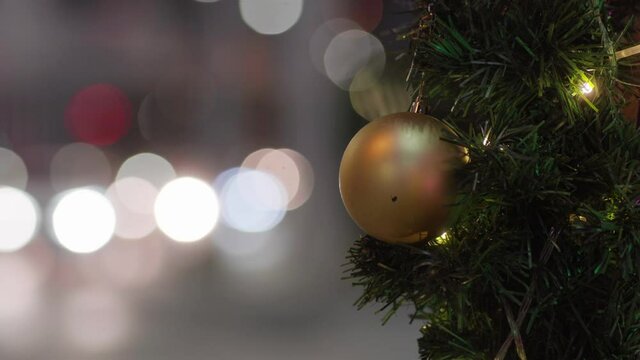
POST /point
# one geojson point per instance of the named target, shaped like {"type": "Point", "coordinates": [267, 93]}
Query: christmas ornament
{"type": "Point", "coordinates": [395, 177]}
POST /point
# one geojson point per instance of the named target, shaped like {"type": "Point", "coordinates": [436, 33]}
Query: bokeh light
{"type": "Point", "coordinates": [353, 51]}
{"type": "Point", "coordinates": [83, 220]}
{"type": "Point", "coordinates": [19, 218]}
{"type": "Point", "coordinates": [253, 201]}
{"type": "Point", "coordinates": [290, 167]}
{"type": "Point", "coordinates": [306, 176]}
{"type": "Point", "coordinates": [77, 165]}
{"type": "Point", "coordinates": [292, 170]}
{"type": "Point", "coordinates": [388, 95]}
{"type": "Point", "coordinates": [252, 160]}
{"type": "Point", "coordinates": [186, 209]}
{"type": "Point", "coordinates": [150, 167]}
{"type": "Point", "coordinates": [367, 13]}
{"type": "Point", "coordinates": [13, 171]}
{"type": "Point", "coordinates": [282, 166]}
{"type": "Point", "coordinates": [133, 199]}
{"type": "Point", "coordinates": [222, 179]}
{"type": "Point", "coordinates": [96, 320]}
{"type": "Point", "coordinates": [270, 17]}
{"type": "Point", "coordinates": [99, 114]}
{"type": "Point", "coordinates": [322, 37]}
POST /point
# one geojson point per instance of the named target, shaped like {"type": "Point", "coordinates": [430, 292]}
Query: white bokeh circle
{"type": "Point", "coordinates": [270, 17]}
{"type": "Point", "coordinates": [186, 209]}
{"type": "Point", "coordinates": [83, 220]}
{"type": "Point", "coordinates": [19, 219]}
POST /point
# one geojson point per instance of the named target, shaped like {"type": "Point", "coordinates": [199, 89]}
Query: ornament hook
{"type": "Point", "coordinates": [419, 104]}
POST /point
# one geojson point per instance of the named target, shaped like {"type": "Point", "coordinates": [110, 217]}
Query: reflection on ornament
{"type": "Point", "coordinates": [395, 178]}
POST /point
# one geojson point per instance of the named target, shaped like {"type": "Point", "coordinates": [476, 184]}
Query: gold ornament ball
{"type": "Point", "coordinates": [395, 178]}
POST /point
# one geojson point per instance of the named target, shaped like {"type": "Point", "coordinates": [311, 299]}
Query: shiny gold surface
{"type": "Point", "coordinates": [394, 178]}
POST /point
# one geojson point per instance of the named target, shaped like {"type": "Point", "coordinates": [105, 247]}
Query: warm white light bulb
{"type": "Point", "coordinates": [586, 88]}
{"type": "Point", "coordinates": [485, 141]}
{"type": "Point", "coordinates": [442, 239]}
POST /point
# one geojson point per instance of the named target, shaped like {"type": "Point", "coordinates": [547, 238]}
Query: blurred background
{"type": "Point", "coordinates": [168, 174]}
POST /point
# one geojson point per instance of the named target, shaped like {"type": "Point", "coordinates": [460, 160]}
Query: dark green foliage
{"type": "Point", "coordinates": [543, 253]}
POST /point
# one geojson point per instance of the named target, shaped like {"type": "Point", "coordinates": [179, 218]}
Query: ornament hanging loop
{"type": "Point", "coordinates": [419, 104]}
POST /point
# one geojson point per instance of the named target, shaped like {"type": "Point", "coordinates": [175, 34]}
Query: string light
{"type": "Point", "coordinates": [442, 239]}
{"type": "Point", "coordinates": [486, 141]}
{"type": "Point", "coordinates": [586, 88]}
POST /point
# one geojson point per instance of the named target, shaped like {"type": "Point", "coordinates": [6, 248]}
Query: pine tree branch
{"type": "Point", "coordinates": [542, 158]}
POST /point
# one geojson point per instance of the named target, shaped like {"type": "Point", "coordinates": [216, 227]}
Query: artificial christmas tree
{"type": "Point", "coordinates": [541, 257]}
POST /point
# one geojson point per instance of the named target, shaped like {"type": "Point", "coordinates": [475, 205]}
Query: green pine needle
{"type": "Point", "coordinates": [542, 253]}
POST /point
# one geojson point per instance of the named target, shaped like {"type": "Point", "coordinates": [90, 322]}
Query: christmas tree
{"type": "Point", "coordinates": [541, 256]}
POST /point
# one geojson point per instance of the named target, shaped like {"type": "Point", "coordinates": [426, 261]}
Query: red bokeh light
{"type": "Point", "coordinates": [99, 114]}
{"type": "Point", "coordinates": [367, 13]}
